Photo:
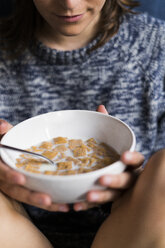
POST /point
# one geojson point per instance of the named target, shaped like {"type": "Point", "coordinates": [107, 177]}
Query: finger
{"type": "Point", "coordinates": [10, 176]}
{"type": "Point", "coordinates": [134, 159]}
{"type": "Point", "coordinates": [81, 206]}
{"type": "Point", "coordinates": [4, 126]}
{"type": "Point", "coordinates": [103, 196]}
{"type": "Point", "coordinates": [120, 181]}
{"type": "Point", "coordinates": [102, 109]}
{"type": "Point", "coordinates": [24, 195]}
{"type": "Point", "coordinates": [36, 199]}
{"type": "Point", "coordinates": [58, 207]}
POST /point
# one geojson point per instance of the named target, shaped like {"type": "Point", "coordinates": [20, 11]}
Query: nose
{"type": "Point", "coordinates": [69, 4]}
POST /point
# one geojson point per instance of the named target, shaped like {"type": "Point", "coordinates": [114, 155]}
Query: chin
{"type": "Point", "coordinates": [71, 31]}
{"type": "Point", "coordinates": [70, 34]}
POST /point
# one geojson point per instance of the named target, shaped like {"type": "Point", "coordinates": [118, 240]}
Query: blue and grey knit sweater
{"type": "Point", "coordinates": [127, 75]}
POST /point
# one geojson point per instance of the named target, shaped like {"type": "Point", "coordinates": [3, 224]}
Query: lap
{"type": "Point", "coordinates": [137, 220]}
{"type": "Point", "coordinates": [16, 228]}
{"type": "Point", "coordinates": [129, 224]}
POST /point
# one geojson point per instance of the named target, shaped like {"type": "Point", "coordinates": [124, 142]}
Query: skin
{"type": "Point", "coordinates": [57, 32]}
{"type": "Point", "coordinates": [137, 219]}
{"type": "Point", "coordinates": [134, 212]}
{"type": "Point", "coordinates": [63, 35]}
{"type": "Point", "coordinates": [12, 183]}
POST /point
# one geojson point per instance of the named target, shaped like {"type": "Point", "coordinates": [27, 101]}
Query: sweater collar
{"type": "Point", "coordinates": [56, 57]}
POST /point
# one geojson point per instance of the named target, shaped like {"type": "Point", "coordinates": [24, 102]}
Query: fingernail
{"type": "Point", "coordinates": [128, 155]}
{"type": "Point", "coordinates": [43, 201]}
{"type": "Point", "coordinates": [78, 208]}
{"type": "Point", "coordinates": [47, 201]}
{"type": "Point", "coordinates": [94, 197]}
{"type": "Point", "coordinates": [2, 122]}
{"type": "Point", "coordinates": [63, 208]}
{"type": "Point", "coordinates": [107, 180]}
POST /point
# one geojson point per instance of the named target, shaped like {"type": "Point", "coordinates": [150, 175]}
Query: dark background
{"type": "Point", "coordinates": [154, 7]}
{"type": "Point", "coordinates": [5, 7]}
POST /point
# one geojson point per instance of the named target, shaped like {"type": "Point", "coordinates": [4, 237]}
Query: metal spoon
{"type": "Point", "coordinates": [27, 152]}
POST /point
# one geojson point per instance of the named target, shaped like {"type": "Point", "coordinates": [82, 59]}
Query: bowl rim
{"type": "Point", "coordinates": [69, 177]}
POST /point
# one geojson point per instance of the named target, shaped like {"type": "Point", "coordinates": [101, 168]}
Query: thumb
{"type": "Point", "coordinates": [102, 109]}
{"type": "Point", "coordinates": [4, 127]}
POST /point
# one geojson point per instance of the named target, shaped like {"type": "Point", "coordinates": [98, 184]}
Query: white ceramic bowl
{"type": "Point", "coordinates": [73, 124]}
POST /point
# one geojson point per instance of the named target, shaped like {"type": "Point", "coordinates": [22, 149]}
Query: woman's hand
{"type": "Point", "coordinates": [12, 184]}
{"type": "Point", "coordinates": [115, 184]}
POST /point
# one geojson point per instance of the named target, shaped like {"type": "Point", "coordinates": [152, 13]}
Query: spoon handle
{"type": "Point", "coordinates": [27, 152]}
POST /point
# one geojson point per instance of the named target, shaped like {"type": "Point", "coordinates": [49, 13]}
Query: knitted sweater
{"type": "Point", "coordinates": [127, 75]}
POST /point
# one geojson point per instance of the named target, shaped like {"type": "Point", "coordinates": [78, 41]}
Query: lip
{"type": "Point", "coordinates": [71, 19]}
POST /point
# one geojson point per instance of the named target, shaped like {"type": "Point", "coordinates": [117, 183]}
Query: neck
{"type": "Point", "coordinates": [62, 42]}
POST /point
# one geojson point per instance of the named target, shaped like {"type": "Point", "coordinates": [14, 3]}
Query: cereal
{"type": "Point", "coordinates": [79, 151]}
{"type": "Point", "coordinates": [85, 160]}
{"type": "Point", "coordinates": [70, 172]}
{"type": "Point", "coordinates": [51, 172]}
{"type": "Point", "coordinates": [46, 145]}
{"type": "Point", "coordinates": [91, 162]}
{"type": "Point", "coordinates": [61, 155]}
{"type": "Point", "coordinates": [35, 149]}
{"type": "Point", "coordinates": [75, 143]}
{"type": "Point", "coordinates": [91, 143]}
{"type": "Point", "coordinates": [31, 169]}
{"type": "Point", "coordinates": [60, 148]}
{"type": "Point", "coordinates": [60, 140]}
{"type": "Point", "coordinates": [20, 164]}
{"type": "Point", "coordinates": [70, 156]}
{"type": "Point", "coordinates": [50, 154]}
{"type": "Point", "coordinates": [64, 165]}
{"type": "Point", "coordinates": [74, 160]}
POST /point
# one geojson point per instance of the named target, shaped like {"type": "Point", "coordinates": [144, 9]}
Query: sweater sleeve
{"type": "Point", "coordinates": [156, 72]}
{"type": "Point", "coordinates": [160, 137]}
{"type": "Point", "coordinates": [151, 59]}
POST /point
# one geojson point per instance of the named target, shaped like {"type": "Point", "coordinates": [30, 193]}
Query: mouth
{"type": "Point", "coordinates": [70, 19]}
